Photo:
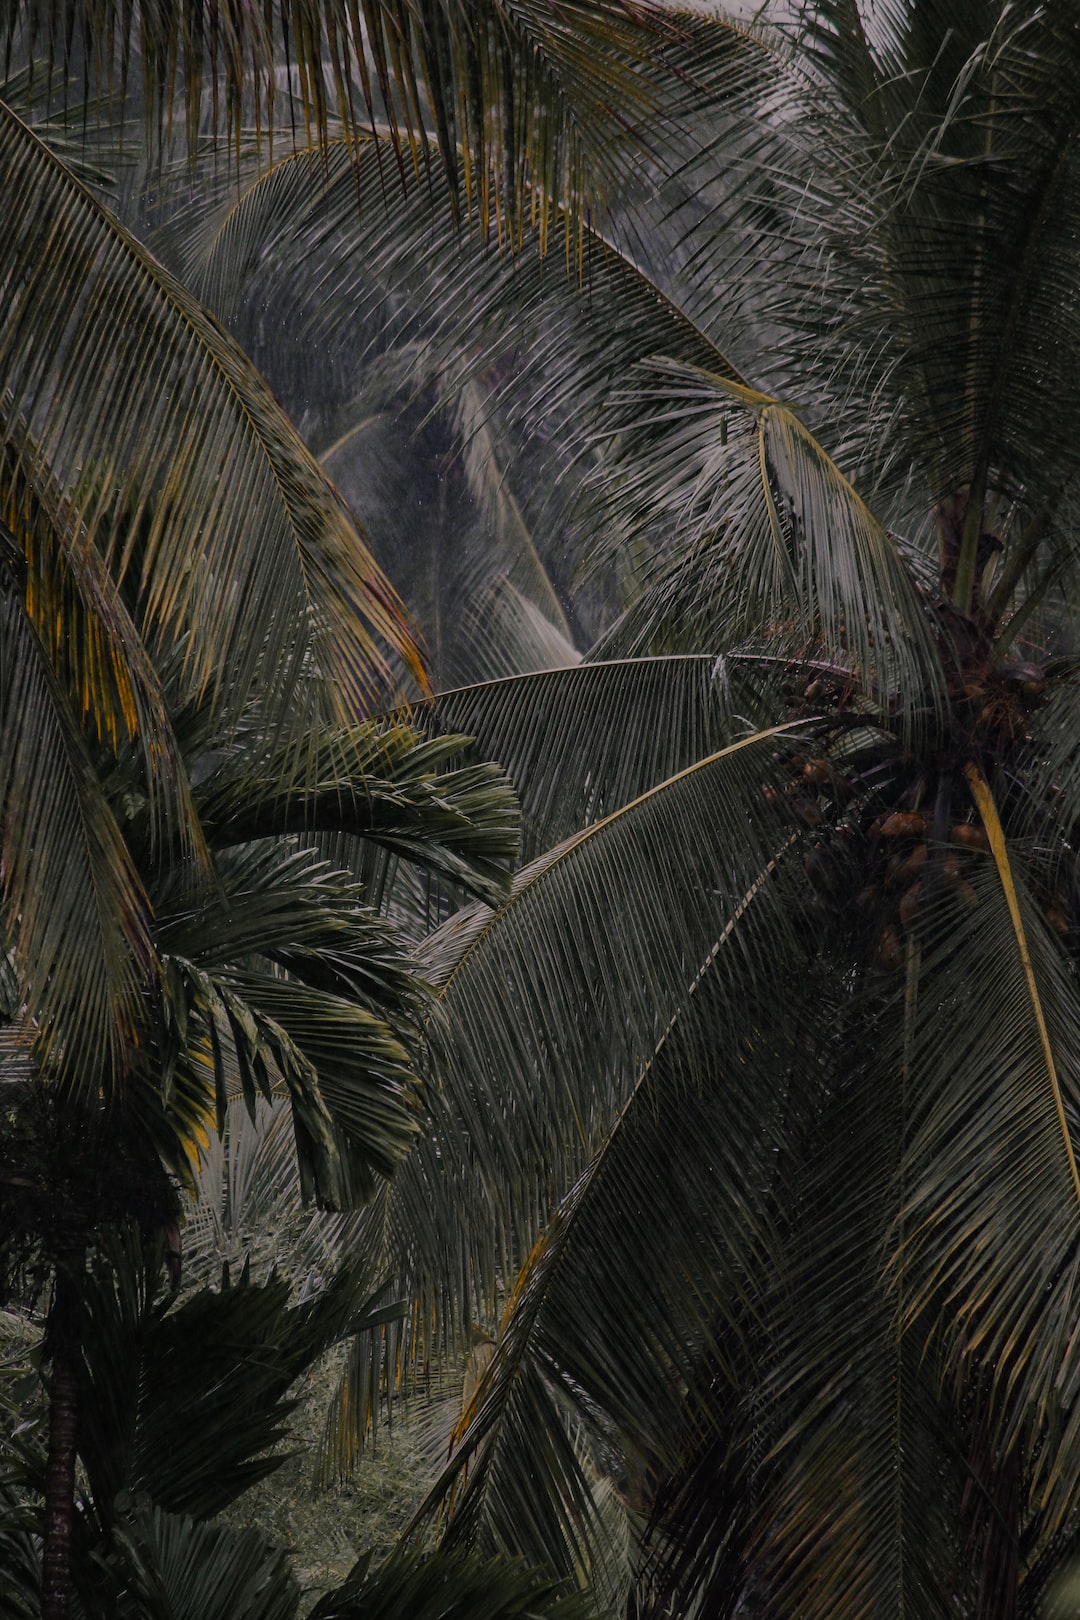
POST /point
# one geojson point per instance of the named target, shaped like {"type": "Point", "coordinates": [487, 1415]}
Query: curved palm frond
{"type": "Point", "coordinates": [383, 783]}
{"type": "Point", "coordinates": [804, 555]}
{"type": "Point", "coordinates": [668, 1236]}
{"type": "Point", "coordinates": [848, 1419]}
{"type": "Point", "coordinates": [550, 1006]}
{"type": "Point", "coordinates": [991, 1224]}
{"type": "Point", "coordinates": [321, 1025]}
{"type": "Point", "coordinates": [544, 343]}
{"type": "Point", "coordinates": [966, 115]}
{"type": "Point", "coordinates": [245, 1207]}
{"type": "Point", "coordinates": [287, 904]}
{"type": "Point", "coordinates": [489, 482]}
{"type": "Point", "coordinates": [504, 631]}
{"type": "Point", "coordinates": [511, 101]}
{"type": "Point", "coordinates": [93, 647]}
{"type": "Point", "coordinates": [578, 743]}
{"type": "Point", "coordinates": [911, 257]}
{"type": "Point", "coordinates": [75, 908]}
{"type": "Point", "coordinates": [768, 538]}
{"type": "Point", "coordinates": [189, 1403]}
{"type": "Point", "coordinates": [105, 356]}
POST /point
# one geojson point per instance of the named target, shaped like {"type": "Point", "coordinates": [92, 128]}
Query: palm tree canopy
{"type": "Point", "coordinates": [770, 1057]}
{"type": "Point", "coordinates": [829, 972]}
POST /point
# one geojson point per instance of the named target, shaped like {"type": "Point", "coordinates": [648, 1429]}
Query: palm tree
{"type": "Point", "coordinates": [185, 597]}
{"type": "Point", "coordinates": [768, 1073]}
{"type": "Point", "coordinates": [188, 604]}
{"type": "Point", "coordinates": [762, 1084]}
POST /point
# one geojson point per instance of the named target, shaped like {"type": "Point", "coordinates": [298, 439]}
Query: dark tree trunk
{"type": "Point", "coordinates": [64, 1343]}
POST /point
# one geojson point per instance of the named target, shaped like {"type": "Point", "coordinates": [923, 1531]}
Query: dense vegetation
{"type": "Point", "coordinates": [650, 941]}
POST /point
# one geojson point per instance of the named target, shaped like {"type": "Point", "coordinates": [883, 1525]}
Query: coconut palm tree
{"type": "Point", "coordinates": [768, 1073]}
{"type": "Point", "coordinates": [759, 1102]}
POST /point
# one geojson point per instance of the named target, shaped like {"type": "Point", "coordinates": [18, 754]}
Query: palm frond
{"type": "Point", "coordinates": [75, 909]}
{"type": "Point", "coordinates": [169, 1566]}
{"type": "Point", "coordinates": [549, 1008]}
{"type": "Point", "coordinates": [770, 540]}
{"type": "Point", "coordinates": [504, 632]}
{"type": "Point", "coordinates": [20, 1555]}
{"type": "Point", "coordinates": [668, 1235]}
{"type": "Point", "coordinates": [92, 644]}
{"type": "Point", "coordinates": [579, 743]}
{"type": "Point", "coordinates": [992, 1214]}
{"type": "Point", "coordinates": [170, 448]}
{"type": "Point", "coordinates": [541, 342]}
{"type": "Point", "coordinates": [245, 1208]}
{"type": "Point", "coordinates": [854, 1460]}
{"type": "Point", "coordinates": [344, 1068]}
{"type": "Point", "coordinates": [189, 1404]}
{"type": "Point", "coordinates": [927, 157]}
{"type": "Point", "coordinates": [383, 783]}
{"type": "Point", "coordinates": [490, 486]}
{"type": "Point", "coordinates": [545, 974]}
{"type": "Point", "coordinates": [288, 905]}
{"type": "Point", "coordinates": [511, 103]}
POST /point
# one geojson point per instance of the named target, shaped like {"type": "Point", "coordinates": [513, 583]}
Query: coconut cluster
{"type": "Point", "coordinates": [872, 869]}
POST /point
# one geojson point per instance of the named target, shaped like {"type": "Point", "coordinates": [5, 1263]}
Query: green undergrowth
{"type": "Point", "coordinates": [326, 1530]}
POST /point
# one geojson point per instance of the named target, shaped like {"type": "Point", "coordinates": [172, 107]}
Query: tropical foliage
{"type": "Point", "coordinates": [752, 1159]}
{"type": "Point", "coordinates": [194, 635]}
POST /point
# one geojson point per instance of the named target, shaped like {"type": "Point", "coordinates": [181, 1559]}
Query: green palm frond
{"type": "Point", "coordinates": [668, 1236]}
{"type": "Point", "coordinates": [587, 966]}
{"type": "Point", "coordinates": [352, 1083]}
{"type": "Point", "coordinates": [383, 783]}
{"type": "Point", "coordinates": [504, 631]}
{"type": "Point", "coordinates": [246, 1206]}
{"type": "Point", "coordinates": [75, 909]}
{"type": "Point", "coordinates": [283, 580]}
{"type": "Point", "coordinates": [981, 1246]}
{"type": "Point", "coordinates": [189, 1403]}
{"type": "Point", "coordinates": [545, 960]}
{"type": "Point", "coordinates": [511, 101]}
{"type": "Point", "coordinates": [579, 743]}
{"type": "Point", "coordinates": [1055, 766]}
{"type": "Point", "coordinates": [168, 1566]}
{"type": "Point", "coordinates": [929, 159]}
{"type": "Point", "coordinates": [489, 482]}
{"type": "Point", "coordinates": [284, 903]}
{"type": "Point", "coordinates": [92, 645]}
{"type": "Point", "coordinates": [344, 1068]}
{"type": "Point", "coordinates": [769, 539]}
{"type": "Point", "coordinates": [850, 1423]}
{"type": "Point", "coordinates": [508, 1135]}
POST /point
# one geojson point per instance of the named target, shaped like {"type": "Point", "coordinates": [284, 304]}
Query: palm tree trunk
{"type": "Point", "coordinates": [64, 1341]}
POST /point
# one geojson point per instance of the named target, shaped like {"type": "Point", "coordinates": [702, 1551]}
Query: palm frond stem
{"type": "Point", "coordinates": [984, 800]}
